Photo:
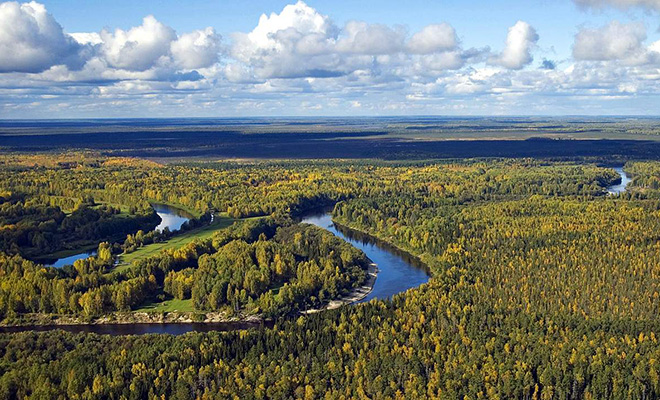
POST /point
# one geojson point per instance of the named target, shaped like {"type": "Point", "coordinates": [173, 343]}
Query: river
{"type": "Point", "coordinates": [621, 187]}
{"type": "Point", "coordinates": [397, 272]}
{"type": "Point", "coordinates": [171, 218]}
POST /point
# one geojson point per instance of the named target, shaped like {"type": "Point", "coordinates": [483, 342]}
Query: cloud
{"type": "Point", "coordinates": [370, 39]}
{"type": "Point", "coordinates": [155, 45]}
{"type": "Point", "coordinates": [198, 49]}
{"type": "Point", "coordinates": [294, 43]}
{"type": "Point", "coordinates": [520, 41]}
{"type": "Point", "coordinates": [32, 41]}
{"type": "Point", "coordinates": [298, 59]}
{"type": "Point", "coordinates": [443, 61]}
{"type": "Point", "coordinates": [300, 42]}
{"type": "Point", "coordinates": [139, 48]}
{"type": "Point", "coordinates": [433, 39]}
{"type": "Point", "coordinates": [622, 4]}
{"type": "Point", "coordinates": [615, 41]}
{"type": "Point", "coordinates": [90, 38]}
{"type": "Point", "coordinates": [277, 32]}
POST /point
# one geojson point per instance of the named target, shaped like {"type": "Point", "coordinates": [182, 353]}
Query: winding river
{"type": "Point", "coordinates": [621, 187]}
{"type": "Point", "coordinates": [171, 218]}
{"type": "Point", "coordinates": [397, 272]}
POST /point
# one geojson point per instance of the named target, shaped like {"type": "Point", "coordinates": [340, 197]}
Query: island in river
{"type": "Point", "coordinates": [396, 272]}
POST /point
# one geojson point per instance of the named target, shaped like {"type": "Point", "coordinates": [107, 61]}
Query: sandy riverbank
{"type": "Point", "coordinates": [354, 296]}
{"type": "Point", "coordinates": [130, 318]}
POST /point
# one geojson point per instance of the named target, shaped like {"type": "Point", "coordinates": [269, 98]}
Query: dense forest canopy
{"type": "Point", "coordinates": [542, 286]}
{"type": "Point", "coordinates": [413, 137]}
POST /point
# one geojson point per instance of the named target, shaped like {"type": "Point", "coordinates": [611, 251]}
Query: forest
{"type": "Point", "coordinates": [543, 286]}
{"type": "Point", "coordinates": [394, 138]}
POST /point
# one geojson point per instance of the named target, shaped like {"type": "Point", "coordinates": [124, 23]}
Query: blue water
{"type": "Point", "coordinates": [397, 271]}
{"type": "Point", "coordinates": [171, 218]}
{"type": "Point", "coordinates": [71, 259]}
{"type": "Point", "coordinates": [621, 187]}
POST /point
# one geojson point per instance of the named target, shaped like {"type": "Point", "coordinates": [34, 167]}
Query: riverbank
{"type": "Point", "coordinates": [357, 294]}
{"type": "Point", "coordinates": [391, 270]}
{"type": "Point", "coordinates": [396, 270]}
{"type": "Point", "coordinates": [128, 318]}
{"type": "Point", "coordinates": [390, 243]}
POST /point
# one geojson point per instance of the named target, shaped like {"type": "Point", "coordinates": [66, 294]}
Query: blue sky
{"type": "Point", "coordinates": [218, 58]}
{"type": "Point", "coordinates": [478, 22]}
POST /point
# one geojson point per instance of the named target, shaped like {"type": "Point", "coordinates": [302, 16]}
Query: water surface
{"type": "Point", "coordinates": [59, 263]}
{"type": "Point", "coordinates": [139, 329]}
{"type": "Point", "coordinates": [171, 218]}
{"type": "Point", "coordinates": [621, 187]}
{"type": "Point", "coordinates": [397, 270]}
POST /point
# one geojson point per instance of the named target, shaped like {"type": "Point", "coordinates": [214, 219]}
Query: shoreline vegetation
{"type": "Point", "coordinates": [132, 317]}
{"type": "Point", "coordinates": [178, 267]}
{"type": "Point", "coordinates": [354, 296]}
{"type": "Point", "coordinates": [186, 317]}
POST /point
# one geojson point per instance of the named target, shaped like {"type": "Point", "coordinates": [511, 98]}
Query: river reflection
{"type": "Point", "coordinates": [141, 329]}
{"type": "Point", "coordinates": [171, 218]}
{"type": "Point", "coordinates": [397, 271]}
{"type": "Point", "coordinates": [621, 187]}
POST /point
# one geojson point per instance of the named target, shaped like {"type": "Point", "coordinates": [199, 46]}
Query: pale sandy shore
{"type": "Point", "coordinates": [173, 317]}
{"type": "Point", "coordinates": [356, 295]}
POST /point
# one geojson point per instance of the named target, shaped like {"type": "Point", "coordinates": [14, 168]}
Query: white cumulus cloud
{"type": "Point", "coordinates": [614, 41]}
{"type": "Point", "coordinates": [31, 40]}
{"type": "Point", "coordinates": [433, 38]}
{"type": "Point", "coordinates": [138, 48]}
{"type": "Point", "coordinates": [296, 42]}
{"type": "Point", "coordinates": [300, 42]}
{"type": "Point", "coordinates": [198, 49]}
{"type": "Point", "coordinates": [370, 39]}
{"type": "Point", "coordinates": [520, 41]}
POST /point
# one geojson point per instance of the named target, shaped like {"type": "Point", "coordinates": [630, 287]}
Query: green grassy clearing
{"type": "Point", "coordinates": [205, 232]}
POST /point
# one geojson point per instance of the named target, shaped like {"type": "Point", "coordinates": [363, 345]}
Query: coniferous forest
{"type": "Point", "coordinates": [542, 285]}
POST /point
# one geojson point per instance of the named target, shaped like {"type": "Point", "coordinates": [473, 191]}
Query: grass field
{"type": "Point", "coordinates": [167, 306]}
{"type": "Point", "coordinates": [220, 222]}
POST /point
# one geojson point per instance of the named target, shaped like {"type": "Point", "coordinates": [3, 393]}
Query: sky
{"type": "Point", "coordinates": [166, 58]}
